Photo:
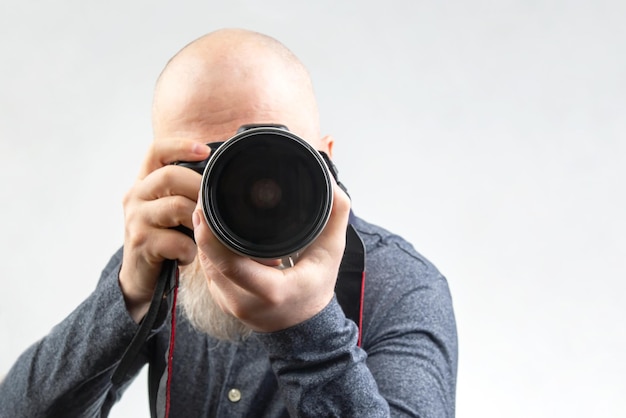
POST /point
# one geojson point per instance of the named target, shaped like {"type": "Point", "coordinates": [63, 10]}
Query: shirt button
{"type": "Point", "coordinates": [234, 395]}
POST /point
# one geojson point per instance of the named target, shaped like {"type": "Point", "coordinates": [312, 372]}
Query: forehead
{"type": "Point", "coordinates": [220, 114]}
{"type": "Point", "coordinates": [215, 113]}
{"type": "Point", "coordinates": [209, 96]}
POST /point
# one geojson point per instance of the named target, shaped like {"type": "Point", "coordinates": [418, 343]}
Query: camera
{"type": "Point", "coordinates": [266, 193]}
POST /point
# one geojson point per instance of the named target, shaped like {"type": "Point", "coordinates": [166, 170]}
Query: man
{"type": "Point", "coordinates": [252, 340]}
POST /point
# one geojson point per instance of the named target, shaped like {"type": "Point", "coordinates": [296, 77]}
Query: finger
{"type": "Point", "coordinates": [165, 152]}
{"type": "Point", "coordinates": [171, 180]}
{"type": "Point", "coordinates": [270, 263]}
{"type": "Point", "coordinates": [158, 244]}
{"type": "Point", "coordinates": [168, 212]}
{"type": "Point", "coordinates": [331, 242]}
{"type": "Point", "coordinates": [168, 244]}
{"type": "Point", "coordinates": [231, 268]}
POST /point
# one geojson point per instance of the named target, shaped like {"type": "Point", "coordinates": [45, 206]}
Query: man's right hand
{"type": "Point", "coordinates": [164, 196]}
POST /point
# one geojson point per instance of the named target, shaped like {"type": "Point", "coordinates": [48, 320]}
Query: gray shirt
{"type": "Point", "coordinates": [406, 366]}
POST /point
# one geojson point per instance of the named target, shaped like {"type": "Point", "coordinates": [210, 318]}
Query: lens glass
{"type": "Point", "coordinates": [269, 194]}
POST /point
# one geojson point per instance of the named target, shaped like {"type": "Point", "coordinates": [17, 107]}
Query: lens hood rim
{"type": "Point", "coordinates": [230, 239]}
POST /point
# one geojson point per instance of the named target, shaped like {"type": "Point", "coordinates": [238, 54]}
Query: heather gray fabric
{"type": "Point", "coordinates": [407, 366]}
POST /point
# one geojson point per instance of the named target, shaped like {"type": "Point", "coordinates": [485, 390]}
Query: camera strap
{"type": "Point", "coordinates": [166, 286]}
{"type": "Point", "coordinates": [350, 286]}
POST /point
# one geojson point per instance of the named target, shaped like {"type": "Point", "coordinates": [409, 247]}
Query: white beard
{"type": "Point", "coordinates": [202, 311]}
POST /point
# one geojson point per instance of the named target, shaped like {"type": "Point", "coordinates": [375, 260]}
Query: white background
{"type": "Point", "coordinates": [491, 134]}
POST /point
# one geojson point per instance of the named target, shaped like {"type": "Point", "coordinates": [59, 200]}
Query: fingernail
{"type": "Point", "coordinates": [195, 218]}
{"type": "Point", "coordinates": [200, 149]}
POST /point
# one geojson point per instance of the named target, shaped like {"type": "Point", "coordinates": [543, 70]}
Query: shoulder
{"type": "Point", "coordinates": [408, 323]}
{"type": "Point", "coordinates": [403, 289]}
{"type": "Point", "coordinates": [388, 253]}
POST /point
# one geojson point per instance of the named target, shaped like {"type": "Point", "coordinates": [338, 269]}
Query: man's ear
{"type": "Point", "coordinates": [327, 145]}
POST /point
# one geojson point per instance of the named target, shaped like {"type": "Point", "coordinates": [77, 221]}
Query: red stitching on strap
{"type": "Point", "coordinates": [170, 355]}
{"type": "Point", "coordinates": [361, 308]}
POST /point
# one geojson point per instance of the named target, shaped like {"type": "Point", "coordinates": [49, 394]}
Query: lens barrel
{"type": "Point", "coordinates": [266, 193]}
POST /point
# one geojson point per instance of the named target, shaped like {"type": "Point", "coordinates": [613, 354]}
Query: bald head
{"type": "Point", "coordinates": [230, 78]}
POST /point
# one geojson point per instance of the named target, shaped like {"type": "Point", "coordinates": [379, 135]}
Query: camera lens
{"type": "Point", "coordinates": [266, 193]}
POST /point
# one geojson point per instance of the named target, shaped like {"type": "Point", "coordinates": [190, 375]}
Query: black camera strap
{"type": "Point", "coordinates": [166, 283]}
{"type": "Point", "coordinates": [350, 284]}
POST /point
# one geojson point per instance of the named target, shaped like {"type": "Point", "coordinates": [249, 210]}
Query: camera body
{"type": "Point", "coordinates": [266, 193]}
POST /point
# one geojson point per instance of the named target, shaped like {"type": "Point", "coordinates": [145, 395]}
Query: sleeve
{"type": "Point", "coordinates": [407, 367]}
{"type": "Point", "coordinates": [325, 376]}
{"type": "Point", "coordinates": [67, 373]}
